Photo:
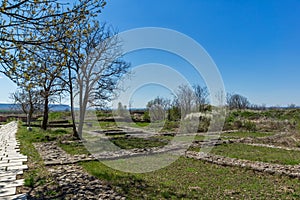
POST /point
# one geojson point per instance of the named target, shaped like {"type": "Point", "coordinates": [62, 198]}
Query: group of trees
{"type": "Point", "coordinates": [52, 49]}
{"type": "Point", "coordinates": [187, 100]}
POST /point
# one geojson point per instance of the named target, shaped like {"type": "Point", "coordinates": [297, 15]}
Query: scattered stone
{"type": "Point", "coordinates": [77, 184]}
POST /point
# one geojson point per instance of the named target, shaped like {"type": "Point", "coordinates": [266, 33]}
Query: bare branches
{"type": "Point", "coordinates": [25, 24]}
{"type": "Point", "coordinates": [236, 101]}
{"type": "Point", "coordinates": [99, 67]}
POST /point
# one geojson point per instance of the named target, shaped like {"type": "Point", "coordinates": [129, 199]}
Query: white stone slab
{"type": "Point", "coordinates": [15, 197]}
{"type": "Point", "coordinates": [15, 172]}
{"type": "Point", "coordinates": [8, 178]}
{"type": "Point", "coordinates": [7, 192]}
{"type": "Point", "coordinates": [22, 167]}
{"type": "Point", "coordinates": [10, 164]}
{"type": "Point", "coordinates": [7, 184]}
{"type": "Point", "coordinates": [13, 158]}
{"type": "Point", "coordinates": [5, 173]}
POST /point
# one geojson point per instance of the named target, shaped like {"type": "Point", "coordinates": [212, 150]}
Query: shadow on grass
{"type": "Point", "coordinates": [132, 186]}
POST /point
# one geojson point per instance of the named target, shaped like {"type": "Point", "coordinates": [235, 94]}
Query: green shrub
{"type": "Point", "coordinates": [238, 124]}
{"type": "Point", "coordinates": [249, 126]}
{"type": "Point", "coordinates": [29, 182]}
{"type": "Point", "coordinates": [170, 125]}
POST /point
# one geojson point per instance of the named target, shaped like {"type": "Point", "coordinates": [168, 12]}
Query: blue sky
{"type": "Point", "coordinates": [254, 43]}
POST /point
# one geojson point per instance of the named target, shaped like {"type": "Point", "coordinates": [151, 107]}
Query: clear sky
{"type": "Point", "coordinates": [254, 43]}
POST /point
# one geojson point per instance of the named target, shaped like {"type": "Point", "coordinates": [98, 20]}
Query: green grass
{"type": "Point", "coordinates": [37, 173]}
{"type": "Point", "coordinates": [255, 153]}
{"type": "Point", "coordinates": [279, 114]}
{"type": "Point", "coordinates": [130, 143]}
{"type": "Point", "coordinates": [184, 179]}
{"type": "Point", "coordinates": [108, 125]}
{"type": "Point", "coordinates": [74, 148]}
{"type": "Point", "coordinates": [56, 116]}
{"type": "Point", "coordinates": [193, 179]}
{"type": "Point", "coordinates": [39, 135]}
{"type": "Point", "coordinates": [199, 137]}
{"type": "Point", "coordinates": [244, 134]}
{"type": "Point", "coordinates": [139, 124]}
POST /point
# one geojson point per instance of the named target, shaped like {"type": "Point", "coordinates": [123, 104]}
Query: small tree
{"type": "Point", "coordinates": [29, 100]}
{"type": "Point", "coordinates": [236, 101]}
{"type": "Point", "coordinates": [201, 94]}
{"type": "Point", "coordinates": [185, 99]}
{"type": "Point", "coordinates": [157, 108]}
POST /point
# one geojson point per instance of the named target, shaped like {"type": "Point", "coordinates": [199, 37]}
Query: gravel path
{"type": "Point", "coordinates": [72, 182]}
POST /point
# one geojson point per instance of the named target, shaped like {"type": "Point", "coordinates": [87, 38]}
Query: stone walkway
{"type": "Point", "coordinates": [11, 163]}
{"type": "Point", "coordinates": [54, 155]}
{"type": "Point", "coordinates": [73, 182]}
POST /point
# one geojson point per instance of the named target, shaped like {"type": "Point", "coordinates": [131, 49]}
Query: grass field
{"type": "Point", "coordinates": [193, 179]}
{"type": "Point", "coordinates": [183, 179]}
{"type": "Point", "coordinates": [37, 173]}
{"type": "Point", "coordinates": [255, 153]}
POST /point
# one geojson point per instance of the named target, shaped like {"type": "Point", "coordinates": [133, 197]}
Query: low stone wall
{"type": "Point", "coordinates": [54, 155]}
{"type": "Point", "coordinates": [292, 171]}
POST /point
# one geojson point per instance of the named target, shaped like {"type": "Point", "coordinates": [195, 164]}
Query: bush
{"type": "Point", "coordinates": [238, 124]}
{"type": "Point", "coordinates": [249, 126]}
{"type": "Point", "coordinates": [30, 181]}
{"type": "Point", "coordinates": [203, 124]}
{"type": "Point", "coordinates": [171, 125]}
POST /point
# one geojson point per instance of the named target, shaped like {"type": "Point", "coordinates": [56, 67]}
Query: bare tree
{"type": "Point", "coordinates": [29, 100]}
{"type": "Point", "coordinates": [236, 101]}
{"type": "Point", "coordinates": [185, 99]}
{"type": "Point", "coordinates": [157, 108]}
{"type": "Point", "coordinates": [98, 71]}
{"type": "Point", "coordinates": [201, 94]}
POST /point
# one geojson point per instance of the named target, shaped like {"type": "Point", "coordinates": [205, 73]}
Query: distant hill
{"type": "Point", "coordinates": [59, 107]}
{"type": "Point", "coordinates": [53, 107]}
{"type": "Point", "coordinates": [7, 107]}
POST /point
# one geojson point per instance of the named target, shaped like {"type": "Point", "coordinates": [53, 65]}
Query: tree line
{"type": "Point", "coordinates": [188, 100]}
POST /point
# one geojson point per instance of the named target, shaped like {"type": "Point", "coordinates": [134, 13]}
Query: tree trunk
{"type": "Point", "coordinates": [46, 112]}
{"type": "Point", "coordinates": [29, 118]}
{"type": "Point", "coordinates": [83, 101]}
{"type": "Point", "coordinates": [75, 132]}
{"type": "Point", "coordinates": [81, 119]}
